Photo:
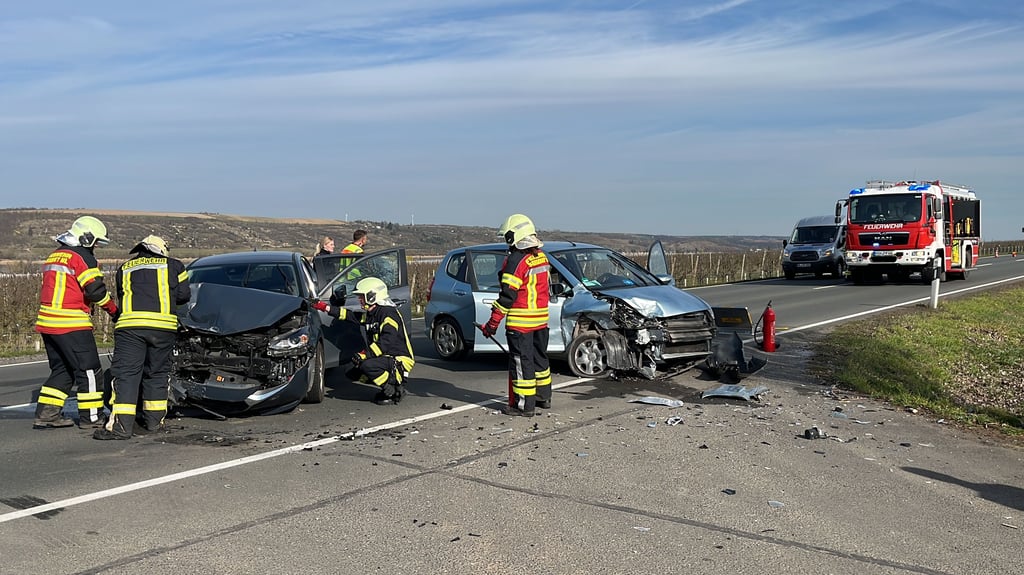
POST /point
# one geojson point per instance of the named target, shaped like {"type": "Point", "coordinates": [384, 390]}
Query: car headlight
{"type": "Point", "coordinates": [826, 254]}
{"type": "Point", "coordinates": [291, 343]}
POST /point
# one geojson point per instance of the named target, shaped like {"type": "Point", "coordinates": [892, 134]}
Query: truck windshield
{"type": "Point", "coordinates": [814, 235]}
{"type": "Point", "coordinates": [885, 209]}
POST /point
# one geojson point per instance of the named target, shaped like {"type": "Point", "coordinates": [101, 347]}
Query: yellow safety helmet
{"type": "Point", "coordinates": [515, 228]}
{"type": "Point", "coordinates": [89, 232]}
{"type": "Point", "coordinates": [155, 244]}
{"type": "Point", "coordinates": [373, 290]}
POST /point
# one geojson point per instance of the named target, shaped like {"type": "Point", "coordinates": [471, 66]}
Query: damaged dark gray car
{"type": "Point", "coordinates": [250, 342]}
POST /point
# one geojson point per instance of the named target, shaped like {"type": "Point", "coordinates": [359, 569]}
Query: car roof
{"type": "Point", "coordinates": [555, 246]}
{"type": "Point", "coordinates": [250, 257]}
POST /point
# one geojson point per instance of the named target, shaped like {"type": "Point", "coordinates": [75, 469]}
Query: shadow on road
{"type": "Point", "coordinates": [1005, 495]}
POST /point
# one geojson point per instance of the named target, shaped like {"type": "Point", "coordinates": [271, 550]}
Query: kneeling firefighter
{"type": "Point", "coordinates": [388, 359]}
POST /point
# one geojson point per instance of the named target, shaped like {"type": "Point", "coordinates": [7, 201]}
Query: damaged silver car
{"type": "Point", "coordinates": [608, 315]}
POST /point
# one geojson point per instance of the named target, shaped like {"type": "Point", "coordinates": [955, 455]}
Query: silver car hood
{"type": "Point", "coordinates": [658, 301]}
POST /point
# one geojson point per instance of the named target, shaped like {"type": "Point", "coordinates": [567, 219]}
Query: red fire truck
{"type": "Point", "coordinates": [902, 228]}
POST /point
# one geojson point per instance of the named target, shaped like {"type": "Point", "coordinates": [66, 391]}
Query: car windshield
{"type": "Point", "coordinates": [885, 208]}
{"type": "Point", "coordinates": [599, 268]}
{"type": "Point", "coordinates": [272, 277]}
{"type": "Point", "coordinates": [814, 235]}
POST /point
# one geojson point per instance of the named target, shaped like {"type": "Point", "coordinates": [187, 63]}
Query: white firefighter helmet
{"type": "Point", "coordinates": [515, 228]}
{"type": "Point", "coordinates": [518, 231]}
{"type": "Point", "coordinates": [155, 244]}
{"type": "Point", "coordinates": [89, 232]}
{"type": "Point", "coordinates": [373, 290]}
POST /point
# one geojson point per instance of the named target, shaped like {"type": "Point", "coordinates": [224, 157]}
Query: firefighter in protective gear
{"type": "Point", "coordinates": [72, 283]}
{"type": "Point", "coordinates": [388, 358]}
{"type": "Point", "coordinates": [523, 304]}
{"type": "Point", "coordinates": [359, 239]}
{"type": "Point", "coordinates": [150, 287]}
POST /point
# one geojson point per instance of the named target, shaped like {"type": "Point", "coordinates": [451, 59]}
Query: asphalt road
{"type": "Point", "coordinates": [597, 484]}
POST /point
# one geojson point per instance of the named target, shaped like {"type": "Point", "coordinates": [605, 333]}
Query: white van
{"type": "Point", "coordinates": [816, 247]}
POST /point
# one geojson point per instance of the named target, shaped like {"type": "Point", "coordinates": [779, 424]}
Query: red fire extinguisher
{"type": "Point", "coordinates": [767, 323]}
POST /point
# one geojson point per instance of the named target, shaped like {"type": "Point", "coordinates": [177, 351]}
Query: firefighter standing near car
{"type": "Point", "coordinates": [359, 239]}
{"type": "Point", "coordinates": [72, 282]}
{"type": "Point", "coordinates": [523, 304]}
{"type": "Point", "coordinates": [388, 359]}
{"type": "Point", "coordinates": [150, 287]}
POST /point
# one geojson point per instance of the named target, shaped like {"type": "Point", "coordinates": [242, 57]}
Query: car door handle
{"type": "Point", "coordinates": [459, 292]}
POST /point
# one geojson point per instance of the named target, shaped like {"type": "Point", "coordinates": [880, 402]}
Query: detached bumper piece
{"type": "Point", "coordinates": [728, 362]}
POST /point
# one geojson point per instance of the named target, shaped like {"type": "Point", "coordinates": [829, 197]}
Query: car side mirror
{"type": "Point", "coordinates": [339, 295]}
{"type": "Point", "coordinates": [556, 290]}
{"type": "Point", "coordinates": [785, 243]}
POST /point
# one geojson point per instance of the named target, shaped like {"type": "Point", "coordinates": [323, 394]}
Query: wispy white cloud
{"type": "Point", "coordinates": [446, 104]}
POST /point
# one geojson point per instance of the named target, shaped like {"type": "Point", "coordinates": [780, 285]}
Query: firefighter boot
{"type": "Point", "coordinates": [86, 420]}
{"type": "Point", "coordinates": [523, 406]}
{"type": "Point", "coordinates": [544, 397]}
{"type": "Point", "coordinates": [120, 427]}
{"type": "Point", "coordinates": [48, 416]}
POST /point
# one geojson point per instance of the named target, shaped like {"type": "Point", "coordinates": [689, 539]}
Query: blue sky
{"type": "Point", "coordinates": [676, 117]}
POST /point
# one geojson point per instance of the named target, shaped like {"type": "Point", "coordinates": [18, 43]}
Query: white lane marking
{"type": "Point", "coordinates": [22, 406]}
{"type": "Point", "coordinates": [826, 287]}
{"type": "Point", "coordinates": [254, 458]}
{"type": "Point", "coordinates": [23, 363]}
{"type": "Point", "coordinates": [896, 305]}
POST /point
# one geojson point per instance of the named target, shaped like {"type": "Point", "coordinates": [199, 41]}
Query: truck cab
{"type": "Point", "coordinates": [816, 246]}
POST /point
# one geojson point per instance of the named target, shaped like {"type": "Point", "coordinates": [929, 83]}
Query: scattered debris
{"type": "Point", "coordinates": [652, 424]}
{"type": "Point", "coordinates": [674, 420]}
{"type": "Point", "coordinates": [652, 400]}
{"type": "Point", "coordinates": [776, 504]}
{"type": "Point", "coordinates": [1009, 525]}
{"type": "Point", "coordinates": [735, 392]}
{"type": "Point", "coordinates": [643, 529]}
{"type": "Point", "coordinates": [446, 406]}
{"type": "Point", "coordinates": [582, 454]}
{"type": "Point", "coordinates": [814, 433]}
{"type": "Point", "coordinates": [500, 431]}
{"type": "Point", "coordinates": [729, 491]}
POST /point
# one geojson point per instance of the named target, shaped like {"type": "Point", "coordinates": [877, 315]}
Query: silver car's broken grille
{"type": "Point", "coordinates": [688, 334]}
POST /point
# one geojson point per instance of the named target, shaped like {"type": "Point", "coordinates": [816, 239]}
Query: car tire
{"type": "Point", "coordinates": [587, 356]}
{"type": "Point", "coordinates": [790, 274]}
{"type": "Point", "coordinates": [447, 338]}
{"type": "Point", "coordinates": [316, 392]}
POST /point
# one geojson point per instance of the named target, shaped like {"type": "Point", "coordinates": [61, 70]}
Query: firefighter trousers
{"type": "Point", "coordinates": [142, 358]}
{"type": "Point", "coordinates": [74, 364]}
{"type": "Point", "coordinates": [384, 371]}
{"type": "Point", "coordinates": [528, 368]}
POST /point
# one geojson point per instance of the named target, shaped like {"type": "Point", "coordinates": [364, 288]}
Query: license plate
{"type": "Point", "coordinates": [803, 265]}
{"type": "Point", "coordinates": [878, 253]}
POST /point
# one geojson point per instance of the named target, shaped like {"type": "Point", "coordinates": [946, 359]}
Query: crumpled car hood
{"type": "Point", "coordinates": [226, 310]}
{"type": "Point", "coordinates": [659, 301]}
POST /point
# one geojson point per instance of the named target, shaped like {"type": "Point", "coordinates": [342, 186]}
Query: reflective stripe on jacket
{"type": "Point", "coordinates": [524, 290]}
{"type": "Point", "coordinates": [151, 287]}
{"type": "Point", "coordinates": [72, 280]}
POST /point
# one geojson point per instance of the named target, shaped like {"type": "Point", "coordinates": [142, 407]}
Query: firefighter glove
{"type": "Point", "coordinates": [358, 358]}
{"type": "Point", "coordinates": [111, 308]}
{"type": "Point", "coordinates": [491, 327]}
{"type": "Point", "coordinates": [321, 306]}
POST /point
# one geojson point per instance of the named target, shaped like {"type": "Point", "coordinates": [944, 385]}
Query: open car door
{"type": "Point", "coordinates": [342, 338]}
{"type": "Point", "coordinates": [657, 263]}
{"type": "Point", "coordinates": [327, 266]}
